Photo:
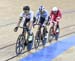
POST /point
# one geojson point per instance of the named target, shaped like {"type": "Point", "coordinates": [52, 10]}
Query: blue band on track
{"type": "Point", "coordinates": [52, 51]}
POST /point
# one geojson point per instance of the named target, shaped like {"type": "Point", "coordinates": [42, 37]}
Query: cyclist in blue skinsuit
{"type": "Point", "coordinates": [42, 17]}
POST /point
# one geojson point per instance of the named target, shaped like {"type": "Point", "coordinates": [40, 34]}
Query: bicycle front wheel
{"type": "Point", "coordinates": [50, 35]}
{"type": "Point", "coordinates": [20, 44]}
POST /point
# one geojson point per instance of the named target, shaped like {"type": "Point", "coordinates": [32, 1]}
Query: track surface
{"type": "Point", "coordinates": [9, 13]}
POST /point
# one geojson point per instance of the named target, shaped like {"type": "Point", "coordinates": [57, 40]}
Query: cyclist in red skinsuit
{"type": "Point", "coordinates": [55, 16]}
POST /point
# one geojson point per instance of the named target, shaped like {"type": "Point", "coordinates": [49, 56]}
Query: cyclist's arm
{"type": "Point", "coordinates": [31, 19]}
{"type": "Point", "coordinates": [59, 16]}
{"type": "Point", "coordinates": [37, 16]}
{"type": "Point", "coordinates": [20, 20]}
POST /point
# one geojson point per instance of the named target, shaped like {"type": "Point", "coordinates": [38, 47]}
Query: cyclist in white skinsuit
{"type": "Point", "coordinates": [27, 17]}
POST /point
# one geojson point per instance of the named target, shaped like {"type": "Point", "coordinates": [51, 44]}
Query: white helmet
{"type": "Point", "coordinates": [54, 9]}
{"type": "Point", "coordinates": [41, 8]}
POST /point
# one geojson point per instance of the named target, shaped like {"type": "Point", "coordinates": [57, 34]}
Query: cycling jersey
{"type": "Point", "coordinates": [55, 17]}
{"type": "Point", "coordinates": [43, 16]}
{"type": "Point", "coordinates": [27, 16]}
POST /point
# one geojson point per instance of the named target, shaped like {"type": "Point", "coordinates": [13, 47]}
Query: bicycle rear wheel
{"type": "Point", "coordinates": [20, 44]}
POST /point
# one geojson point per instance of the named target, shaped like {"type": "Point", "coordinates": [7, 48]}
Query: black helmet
{"type": "Point", "coordinates": [26, 8]}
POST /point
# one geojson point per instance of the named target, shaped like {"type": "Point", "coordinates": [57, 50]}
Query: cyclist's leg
{"type": "Point", "coordinates": [39, 28]}
{"type": "Point", "coordinates": [55, 26]}
{"type": "Point", "coordinates": [24, 30]}
{"type": "Point", "coordinates": [28, 26]}
{"type": "Point", "coordinates": [34, 20]}
{"type": "Point", "coordinates": [51, 27]}
{"type": "Point", "coordinates": [39, 31]}
{"type": "Point", "coordinates": [29, 30]}
{"type": "Point", "coordinates": [29, 36]}
{"type": "Point", "coordinates": [44, 31]}
{"type": "Point", "coordinates": [41, 23]}
{"type": "Point", "coordinates": [42, 20]}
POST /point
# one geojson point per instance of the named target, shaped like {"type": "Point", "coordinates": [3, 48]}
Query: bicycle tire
{"type": "Point", "coordinates": [20, 44]}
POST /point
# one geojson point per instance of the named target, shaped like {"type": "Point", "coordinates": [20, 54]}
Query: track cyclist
{"type": "Point", "coordinates": [42, 18]}
{"type": "Point", "coordinates": [27, 18]}
{"type": "Point", "coordinates": [55, 16]}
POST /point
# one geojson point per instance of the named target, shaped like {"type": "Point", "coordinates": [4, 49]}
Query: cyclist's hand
{"type": "Point", "coordinates": [58, 18]}
{"type": "Point", "coordinates": [44, 25]}
{"type": "Point", "coordinates": [15, 29]}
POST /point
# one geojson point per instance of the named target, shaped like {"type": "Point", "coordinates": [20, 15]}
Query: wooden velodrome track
{"type": "Point", "coordinates": [9, 14]}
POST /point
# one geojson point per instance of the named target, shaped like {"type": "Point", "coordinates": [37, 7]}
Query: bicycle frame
{"type": "Point", "coordinates": [57, 26]}
{"type": "Point", "coordinates": [24, 32]}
